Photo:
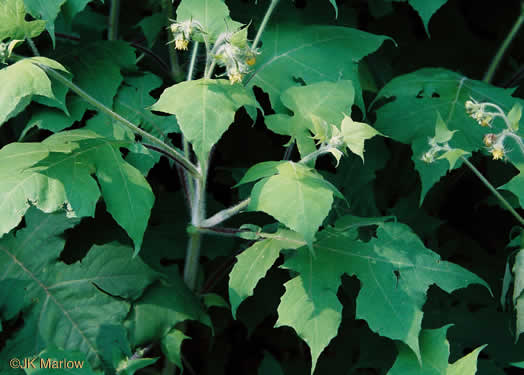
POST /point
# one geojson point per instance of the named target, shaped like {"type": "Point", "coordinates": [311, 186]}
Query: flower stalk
{"type": "Point", "coordinates": [488, 77]}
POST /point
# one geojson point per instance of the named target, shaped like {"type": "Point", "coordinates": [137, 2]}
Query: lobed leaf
{"type": "Point", "coordinates": [64, 305]}
{"type": "Point", "coordinates": [47, 11]}
{"type": "Point", "coordinates": [13, 24]}
{"type": "Point", "coordinates": [22, 82]}
{"type": "Point", "coordinates": [293, 53]}
{"type": "Point", "coordinates": [326, 101]}
{"type": "Point", "coordinates": [57, 173]}
{"type": "Point", "coordinates": [395, 271]}
{"type": "Point", "coordinates": [296, 196]}
{"type": "Point", "coordinates": [204, 109]}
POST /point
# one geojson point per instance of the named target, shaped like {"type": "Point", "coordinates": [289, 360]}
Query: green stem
{"type": "Point", "coordinates": [32, 45]}
{"type": "Point", "coordinates": [225, 214]}
{"type": "Point", "coordinates": [503, 48]}
{"type": "Point", "coordinates": [263, 25]}
{"type": "Point", "coordinates": [198, 213]}
{"type": "Point", "coordinates": [112, 32]}
{"type": "Point", "coordinates": [174, 154]}
{"type": "Point", "coordinates": [185, 143]}
{"type": "Point", "coordinates": [192, 63]}
{"type": "Point", "coordinates": [495, 192]}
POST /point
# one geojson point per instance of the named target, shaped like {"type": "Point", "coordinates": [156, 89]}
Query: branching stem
{"type": "Point", "coordinates": [495, 192]}
{"type": "Point", "coordinates": [173, 153]}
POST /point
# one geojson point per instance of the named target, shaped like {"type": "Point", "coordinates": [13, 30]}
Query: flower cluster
{"type": "Point", "coordinates": [495, 142]}
{"type": "Point", "coordinates": [232, 51]}
{"type": "Point", "coordinates": [477, 111]}
{"type": "Point", "coordinates": [183, 31]}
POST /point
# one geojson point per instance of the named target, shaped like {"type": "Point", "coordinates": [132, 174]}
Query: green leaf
{"type": "Point", "coordinates": [53, 315]}
{"type": "Point", "coordinates": [160, 309]}
{"type": "Point", "coordinates": [152, 26]}
{"type": "Point", "coordinates": [47, 11]}
{"type": "Point", "coordinates": [13, 24]}
{"type": "Point", "coordinates": [207, 110]}
{"type": "Point", "coordinates": [518, 288]}
{"type": "Point", "coordinates": [61, 362]}
{"type": "Point", "coordinates": [97, 67]}
{"type": "Point", "coordinates": [466, 365]}
{"type": "Point", "coordinates": [270, 365]}
{"type": "Point", "coordinates": [129, 366]}
{"type": "Point", "coordinates": [172, 345]}
{"type": "Point", "coordinates": [442, 133]}
{"type": "Point", "coordinates": [395, 270]}
{"type": "Point", "coordinates": [254, 262]}
{"type": "Point", "coordinates": [72, 7]}
{"type": "Point", "coordinates": [325, 101]}
{"type": "Point", "coordinates": [21, 82]}
{"type": "Point", "coordinates": [514, 116]}
{"type": "Point", "coordinates": [355, 133]}
{"type": "Point", "coordinates": [55, 120]}
{"type": "Point", "coordinates": [411, 117]}
{"type": "Point", "coordinates": [212, 14]}
{"type": "Point", "coordinates": [260, 170]}
{"type": "Point", "coordinates": [334, 3]}
{"type": "Point", "coordinates": [426, 9]}
{"type": "Point", "coordinates": [452, 156]}
{"type": "Point", "coordinates": [296, 196]}
{"type": "Point", "coordinates": [57, 173]}
{"type": "Point", "coordinates": [292, 53]}
{"type": "Point", "coordinates": [516, 184]}
{"type": "Point", "coordinates": [434, 357]}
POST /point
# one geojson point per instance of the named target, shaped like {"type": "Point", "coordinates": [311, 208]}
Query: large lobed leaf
{"type": "Point", "coordinates": [204, 109]}
{"type": "Point", "coordinates": [395, 271]}
{"type": "Point", "coordinates": [46, 10]}
{"type": "Point", "coordinates": [57, 173]}
{"type": "Point", "coordinates": [325, 100]}
{"type": "Point", "coordinates": [64, 304]}
{"type": "Point", "coordinates": [419, 98]}
{"type": "Point", "coordinates": [292, 54]}
{"type": "Point", "coordinates": [23, 81]}
{"type": "Point", "coordinates": [13, 24]}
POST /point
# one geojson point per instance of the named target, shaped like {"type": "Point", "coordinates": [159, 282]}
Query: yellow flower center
{"type": "Point", "coordinates": [181, 44]}
{"type": "Point", "coordinates": [497, 153]}
{"type": "Point", "coordinates": [235, 77]}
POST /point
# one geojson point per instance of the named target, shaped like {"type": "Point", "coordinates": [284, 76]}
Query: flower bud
{"type": "Point", "coordinates": [489, 139]}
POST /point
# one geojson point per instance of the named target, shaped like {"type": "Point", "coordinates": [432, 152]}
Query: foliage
{"type": "Point", "coordinates": [260, 187]}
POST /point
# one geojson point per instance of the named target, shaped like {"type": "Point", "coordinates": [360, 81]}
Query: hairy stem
{"type": "Point", "coordinates": [503, 48]}
{"type": "Point", "coordinates": [225, 214]}
{"type": "Point", "coordinates": [112, 32]}
{"type": "Point", "coordinates": [263, 25]}
{"type": "Point", "coordinates": [32, 45]}
{"type": "Point", "coordinates": [495, 192]}
{"type": "Point", "coordinates": [197, 215]}
{"type": "Point", "coordinates": [173, 153]}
